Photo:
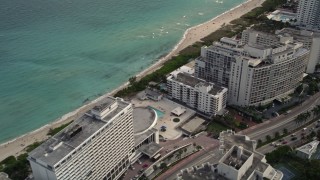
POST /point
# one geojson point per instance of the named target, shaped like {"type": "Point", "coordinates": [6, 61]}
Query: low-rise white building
{"type": "Point", "coordinates": [307, 150]}
{"type": "Point", "coordinates": [153, 95]}
{"type": "Point", "coordinates": [207, 98]}
{"type": "Point", "coordinates": [240, 161]}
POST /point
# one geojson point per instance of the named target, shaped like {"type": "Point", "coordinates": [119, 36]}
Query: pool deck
{"type": "Point", "coordinates": [166, 106]}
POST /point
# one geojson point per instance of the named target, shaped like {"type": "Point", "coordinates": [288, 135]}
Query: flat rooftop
{"type": "Point", "coordinates": [150, 149]}
{"type": "Point", "coordinates": [234, 160]}
{"type": "Point", "coordinates": [309, 148]}
{"type": "Point", "coordinates": [152, 93]}
{"type": "Point", "coordinates": [200, 173]}
{"type": "Point", "coordinates": [141, 137]}
{"type": "Point", "coordinates": [191, 64]}
{"type": "Point", "coordinates": [193, 125]}
{"type": "Point", "coordinates": [257, 165]}
{"type": "Point", "coordinates": [143, 119]}
{"type": "Point", "coordinates": [229, 139]}
{"type": "Point", "coordinates": [193, 82]}
{"type": "Point", "coordinates": [298, 33]}
{"type": "Point", "coordinates": [190, 80]}
{"type": "Point", "coordinates": [269, 35]}
{"type": "Point", "coordinates": [57, 147]}
{"type": "Point", "coordinates": [104, 105]}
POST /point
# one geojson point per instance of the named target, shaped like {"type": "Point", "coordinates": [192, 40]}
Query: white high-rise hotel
{"type": "Point", "coordinates": [308, 14]}
{"type": "Point", "coordinates": [100, 145]}
{"type": "Point", "coordinates": [256, 70]}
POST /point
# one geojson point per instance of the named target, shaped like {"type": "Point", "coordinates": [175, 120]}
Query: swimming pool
{"type": "Point", "coordinates": [160, 114]}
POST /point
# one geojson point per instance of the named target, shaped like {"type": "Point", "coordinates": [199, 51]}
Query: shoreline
{"type": "Point", "coordinates": [190, 36]}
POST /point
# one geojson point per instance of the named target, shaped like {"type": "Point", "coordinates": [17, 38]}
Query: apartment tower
{"type": "Point", "coordinates": [308, 14]}
{"type": "Point", "coordinates": [256, 70]}
{"type": "Point", "coordinates": [196, 93]}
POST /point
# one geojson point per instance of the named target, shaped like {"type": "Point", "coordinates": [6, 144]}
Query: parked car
{"type": "Point", "coordinates": [275, 114]}
{"type": "Point", "coordinates": [284, 142]}
{"type": "Point", "coordinates": [294, 138]}
{"type": "Point", "coordinates": [145, 165]}
{"type": "Point", "coordinates": [287, 112]}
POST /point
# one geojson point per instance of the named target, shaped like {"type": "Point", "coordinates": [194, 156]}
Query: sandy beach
{"type": "Point", "coordinates": [192, 35]}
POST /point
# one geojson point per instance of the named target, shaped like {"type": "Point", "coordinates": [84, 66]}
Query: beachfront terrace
{"type": "Point", "coordinates": [165, 121]}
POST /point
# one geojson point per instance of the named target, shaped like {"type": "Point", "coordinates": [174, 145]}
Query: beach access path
{"type": "Point", "coordinates": [192, 35]}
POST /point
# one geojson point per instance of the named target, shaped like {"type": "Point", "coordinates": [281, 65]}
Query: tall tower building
{"type": "Point", "coordinates": [99, 145]}
{"type": "Point", "coordinates": [308, 14]}
{"type": "Point", "coordinates": [214, 64]}
{"type": "Point", "coordinates": [310, 40]}
{"type": "Point", "coordinates": [257, 70]}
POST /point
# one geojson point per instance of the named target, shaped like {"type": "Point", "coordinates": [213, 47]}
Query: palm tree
{"type": "Point", "coordinates": [306, 115]}
{"type": "Point", "coordinates": [299, 119]}
{"type": "Point", "coordinates": [268, 138]}
{"type": "Point", "coordinates": [316, 111]}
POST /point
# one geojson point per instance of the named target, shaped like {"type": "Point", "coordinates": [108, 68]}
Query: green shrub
{"type": "Point", "coordinates": [54, 131]}
{"type": "Point", "coordinates": [176, 120]}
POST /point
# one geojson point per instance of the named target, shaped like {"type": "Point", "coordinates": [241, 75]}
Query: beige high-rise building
{"type": "Point", "coordinates": [258, 69]}
{"type": "Point", "coordinates": [310, 40]}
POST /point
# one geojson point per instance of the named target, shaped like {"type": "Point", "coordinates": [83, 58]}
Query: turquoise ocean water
{"type": "Point", "coordinates": [55, 54]}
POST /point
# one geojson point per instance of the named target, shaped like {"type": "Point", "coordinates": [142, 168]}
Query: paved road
{"type": "Point", "coordinates": [256, 132]}
{"type": "Point", "coordinates": [293, 143]}
{"type": "Point", "coordinates": [211, 156]}
{"type": "Point", "coordinates": [172, 172]}
{"type": "Point", "coordinates": [279, 123]}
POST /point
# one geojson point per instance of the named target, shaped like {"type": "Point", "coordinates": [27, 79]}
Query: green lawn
{"type": "Point", "coordinates": [215, 127]}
